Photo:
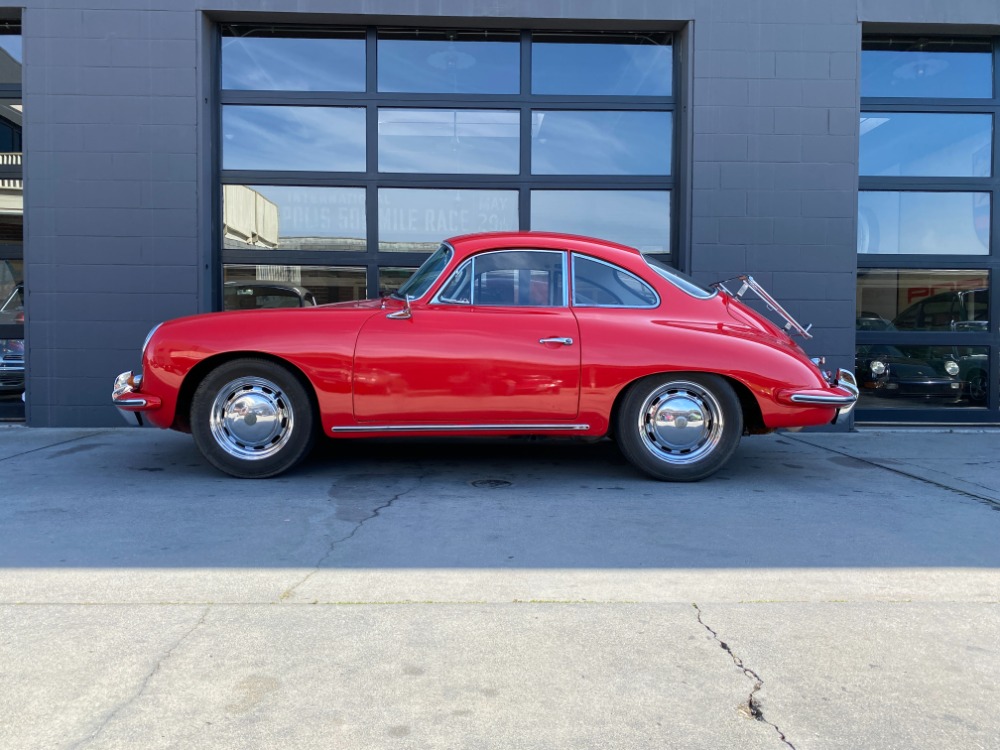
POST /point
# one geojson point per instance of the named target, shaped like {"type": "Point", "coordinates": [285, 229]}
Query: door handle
{"type": "Point", "coordinates": [557, 340]}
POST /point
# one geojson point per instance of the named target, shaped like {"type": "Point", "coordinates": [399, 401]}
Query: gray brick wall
{"type": "Point", "coordinates": [118, 171]}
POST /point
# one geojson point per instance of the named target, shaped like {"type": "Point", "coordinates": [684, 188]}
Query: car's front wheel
{"type": "Point", "coordinates": [680, 427]}
{"type": "Point", "coordinates": [252, 418]}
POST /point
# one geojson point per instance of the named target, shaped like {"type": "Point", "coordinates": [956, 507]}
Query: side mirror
{"type": "Point", "coordinates": [405, 314]}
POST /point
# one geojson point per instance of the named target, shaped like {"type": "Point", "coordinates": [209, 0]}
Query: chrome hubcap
{"type": "Point", "coordinates": [680, 422]}
{"type": "Point", "coordinates": [251, 418]}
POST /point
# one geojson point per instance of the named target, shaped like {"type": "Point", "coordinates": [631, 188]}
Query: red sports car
{"type": "Point", "coordinates": [519, 333]}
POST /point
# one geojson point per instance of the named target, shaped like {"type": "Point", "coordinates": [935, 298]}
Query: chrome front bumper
{"type": "Point", "coordinates": [128, 401]}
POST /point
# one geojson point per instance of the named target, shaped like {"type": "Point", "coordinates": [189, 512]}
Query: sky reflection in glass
{"type": "Point", "coordinates": [917, 144]}
{"type": "Point", "coordinates": [429, 66]}
{"type": "Point", "coordinates": [607, 143]}
{"type": "Point", "coordinates": [949, 75]}
{"type": "Point", "coordinates": [321, 139]}
{"type": "Point", "coordinates": [926, 223]}
{"type": "Point", "coordinates": [637, 218]}
{"type": "Point", "coordinates": [601, 69]}
{"type": "Point", "coordinates": [293, 64]}
{"type": "Point", "coordinates": [448, 141]}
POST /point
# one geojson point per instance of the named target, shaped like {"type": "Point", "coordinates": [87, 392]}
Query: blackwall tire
{"type": "Point", "coordinates": [680, 427]}
{"type": "Point", "coordinates": [252, 418]}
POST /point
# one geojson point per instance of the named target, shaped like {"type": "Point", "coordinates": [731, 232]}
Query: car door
{"type": "Point", "coordinates": [497, 345]}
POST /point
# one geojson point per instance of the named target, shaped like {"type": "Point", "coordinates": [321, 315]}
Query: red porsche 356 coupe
{"type": "Point", "coordinates": [520, 333]}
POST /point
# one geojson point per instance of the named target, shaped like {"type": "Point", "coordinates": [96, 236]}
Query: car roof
{"type": "Point", "coordinates": [470, 243]}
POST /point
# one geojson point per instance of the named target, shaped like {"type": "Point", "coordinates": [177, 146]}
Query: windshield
{"type": "Point", "coordinates": [680, 280]}
{"type": "Point", "coordinates": [425, 276]}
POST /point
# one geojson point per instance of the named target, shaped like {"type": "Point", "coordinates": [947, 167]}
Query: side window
{"type": "Point", "coordinates": [458, 289]}
{"type": "Point", "coordinates": [600, 284]}
{"type": "Point", "coordinates": [508, 278]}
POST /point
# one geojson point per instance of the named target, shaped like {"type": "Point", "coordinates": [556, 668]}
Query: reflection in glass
{"type": "Point", "coordinates": [11, 188]}
{"type": "Point", "coordinates": [390, 278]}
{"type": "Point", "coordinates": [921, 144]}
{"type": "Point", "coordinates": [922, 300]}
{"type": "Point", "coordinates": [602, 64]}
{"type": "Point", "coordinates": [923, 223]}
{"type": "Point", "coordinates": [942, 68]}
{"type": "Point", "coordinates": [637, 218]}
{"type": "Point", "coordinates": [322, 139]}
{"type": "Point", "coordinates": [448, 141]}
{"type": "Point", "coordinates": [259, 286]}
{"type": "Point", "coordinates": [284, 217]}
{"type": "Point", "coordinates": [612, 143]}
{"type": "Point", "coordinates": [416, 221]}
{"type": "Point", "coordinates": [287, 59]}
{"type": "Point", "coordinates": [900, 376]}
{"type": "Point", "coordinates": [449, 62]}
{"type": "Point", "coordinates": [11, 56]}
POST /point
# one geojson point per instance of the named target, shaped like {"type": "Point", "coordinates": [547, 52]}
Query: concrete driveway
{"type": "Point", "coordinates": [823, 591]}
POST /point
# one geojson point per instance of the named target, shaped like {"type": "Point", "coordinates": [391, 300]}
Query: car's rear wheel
{"type": "Point", "coordinates": [680, 427]}
{"type": "Point", "coordinates": [252, 418]}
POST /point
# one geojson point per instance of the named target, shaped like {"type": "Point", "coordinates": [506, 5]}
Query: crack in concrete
{"type": "Point", "coordinates": [51, 445]}
{"type": "Point", "coordinates": [145, 683]}
{"type": "Point", "coordinates": [287, 593]}
{"type": "Point", "coordinates": [988, 501]}
{"type": "Point", "coordinates": [751, 708]}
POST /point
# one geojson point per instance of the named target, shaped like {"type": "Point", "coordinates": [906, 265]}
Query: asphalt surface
{"type": "Point", "coordinates": [822, 591]}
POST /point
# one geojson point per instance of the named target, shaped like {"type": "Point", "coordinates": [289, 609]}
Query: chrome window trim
{"type": "Point", "coordinates": [565, 279]}
{"type": "Point", "coordinates": [616, 267]}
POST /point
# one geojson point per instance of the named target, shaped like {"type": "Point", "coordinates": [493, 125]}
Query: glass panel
{"type": "Point", "coordinates": [11, 56]}
{"type": "Point", "coordinates": [11, 188]}
{"type": "Point", "coordinates": [425, 276]}
{"type": "Point", "coordinates": [920, 144]}
{"type": "Point", "coordinates": [637, 218]}
{"type": "Point", "coordinates": [945, 68]}
{"type": "Point", "coordinates": [448, 141]}
{"type": "Point", "coordinates": [390, 278]}
{"type": "Point", "coordinates": [518, 278]}
{"type": "Point", "coordinates": [269, 58]}
{"type": "Point", "coordinates": [11, 292]}
{"type": "Point", "coordinates": [272, 217]}
{"type": "Point", "coordinates": [254, 287]}
{"type": "Point", "coordinates": [922, 300]}
{"type": "Point", "coordinates": [415, 221]}
{"type": "Point", "coordinates": [606, 64]}
{"type": "Point", "coordinates": [599, 284]}
{"type": "Point", "coordinates": [633, 143]}
{"type": "Point", "coordinates": [924, 223]}
{"type": "Point", "coordinates": [918, 377]}
{"type": "Point", "coordinates": [321, 139]}
{"type": "Point", "coordinates": [449, 62]}
{"type": "Point", "coordinates": [11, 371]}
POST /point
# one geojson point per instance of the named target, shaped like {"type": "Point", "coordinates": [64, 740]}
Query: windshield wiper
{"type": "Point", "coordinates": [791, 324]}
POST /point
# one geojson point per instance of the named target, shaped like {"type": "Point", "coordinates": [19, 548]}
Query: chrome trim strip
{"type": "Point", "coordinates": [824, 400]}
{"type": "Point", "coordinates": [465, 428]}
{"type": "Point", "coordinates": [130, 402]}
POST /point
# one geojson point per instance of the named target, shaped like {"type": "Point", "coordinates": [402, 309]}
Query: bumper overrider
{"type": "Point", "coordinates": [130, 402]}
{"type": "Point", "coordinates": [842, 394]}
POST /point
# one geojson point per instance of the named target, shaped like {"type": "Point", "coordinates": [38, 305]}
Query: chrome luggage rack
{"type": "Point", "coordinates": [748, 282]}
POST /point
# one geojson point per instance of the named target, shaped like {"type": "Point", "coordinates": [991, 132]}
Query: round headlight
{"type": "Point", "coordinates": [877, 367]}
{"type": "Point", "coordinates": [951, 368]}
